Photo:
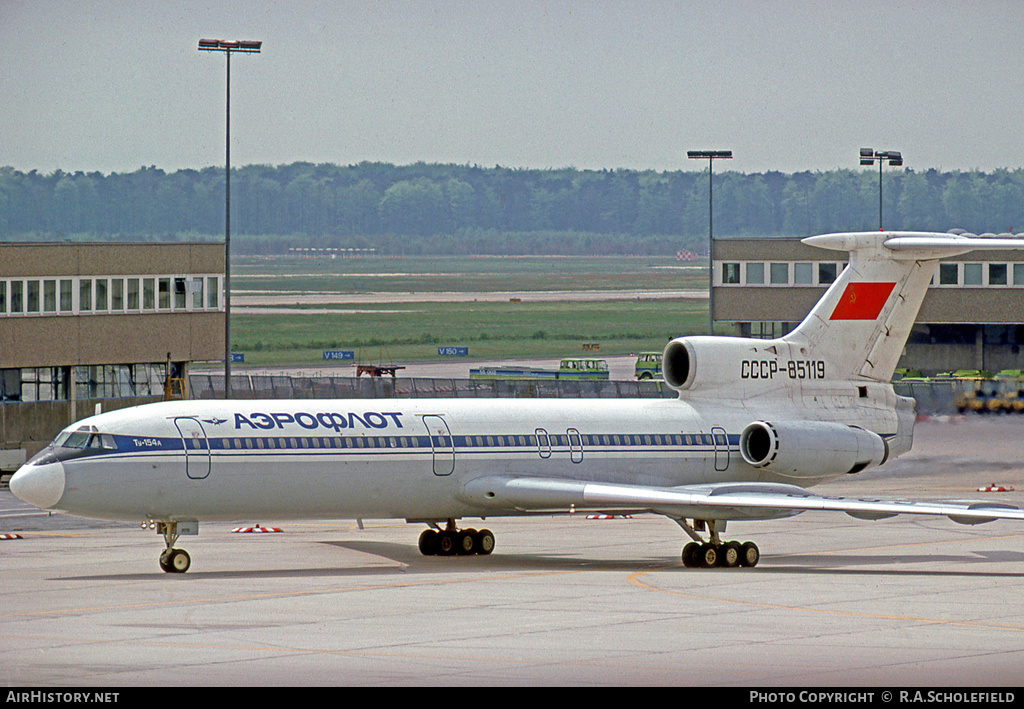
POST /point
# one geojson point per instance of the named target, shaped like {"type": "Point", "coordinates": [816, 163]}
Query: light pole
{"type": "Point", "coordinates": [710, 156]}
{"type": "Point", "coordinates": [868, 157]}
{"type": "Point", "coordinates": [228, 46]}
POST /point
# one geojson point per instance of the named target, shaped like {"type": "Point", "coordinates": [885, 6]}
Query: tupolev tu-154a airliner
{"type": "Point", "coordinates": [756, 423]}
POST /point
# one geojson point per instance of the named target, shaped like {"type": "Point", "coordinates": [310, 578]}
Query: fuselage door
{"type": "Point", "coordinates": [575, 445]}
{"type": "Point", "coordinates": [197, 448]}
{"type": "Point", "coordinates": [543, 443]}
{"type": "Point", "coordinates": [441, 443]}
{"type": "Point", "coordinates": [721, 441]}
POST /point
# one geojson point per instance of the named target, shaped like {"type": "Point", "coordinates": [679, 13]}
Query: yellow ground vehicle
{"type": "Point", "coordinates": [648, 365]}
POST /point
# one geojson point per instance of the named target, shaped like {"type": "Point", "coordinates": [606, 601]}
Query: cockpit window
{"type": "Point", "coordinates": [85, 437]}
{"type": "Point", "coordinates": [77, 439]}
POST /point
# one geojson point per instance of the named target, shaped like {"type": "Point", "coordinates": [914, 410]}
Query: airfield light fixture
{"type": "Point", "coordinates": [868, 156]}
{"type": "Point", "coordinates": [245, 46]}
{"type": "Point", "coordinates": [710, 156]}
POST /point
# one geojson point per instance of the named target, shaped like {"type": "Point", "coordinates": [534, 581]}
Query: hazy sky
{"type": "Point", "coordinates": [114, 85]}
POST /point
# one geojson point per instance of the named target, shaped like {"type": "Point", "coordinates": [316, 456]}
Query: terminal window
{"type": "Point", "coordinates": [997, 274]}
{"type": "Point", "coordinates": [803, 274]}
{"type": "Point", "coordinates": [85, 294]}
{"type": "Point", "coordinates": [779, 274]}
{"type": "Point", "coordinates": [755, 274]}
{"type": "Point", "coordinates": [731, 273]}
{"type": "Point", "coordinates": [826, 273]}
{"type": "Point", "coordinates": [99, 295]}
{"type": "Point", "coordinates": [117, 294]}
{"type": "Point", "coordinates": [49, 296]}
{"type": "Point", "coordinates": [32, 296]}
{"type": "Point", "coordinates": [972, 274]}
{"type": "Point", "coordinates": [949, 274]}
{"type": "Point", "coordinates": [66, 289]}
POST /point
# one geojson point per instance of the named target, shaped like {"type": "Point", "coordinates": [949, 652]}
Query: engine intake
{"type": "Point", "coordinates": [678, 364]}
{"type": "Point", "coordinates": [811, 449]}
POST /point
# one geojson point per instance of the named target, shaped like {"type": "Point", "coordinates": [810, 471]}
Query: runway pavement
{"type": "Point", "coordinates": [561, 601]}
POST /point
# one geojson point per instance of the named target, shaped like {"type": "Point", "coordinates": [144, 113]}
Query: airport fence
{"type": "Point", "coordinates": [244, 386]}
{"type": "Point", "coordinates": [933, 398]}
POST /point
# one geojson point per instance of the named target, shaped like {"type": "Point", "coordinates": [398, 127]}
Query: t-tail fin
{"type": "Point", "coordinates": [861, 324]}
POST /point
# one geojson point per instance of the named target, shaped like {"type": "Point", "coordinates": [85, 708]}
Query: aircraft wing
{"type": "Point", "coordinates": [726, 501]}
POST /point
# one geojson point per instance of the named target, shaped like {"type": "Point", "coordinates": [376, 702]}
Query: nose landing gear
{"type": "Point", "coordinates": [175, 561]}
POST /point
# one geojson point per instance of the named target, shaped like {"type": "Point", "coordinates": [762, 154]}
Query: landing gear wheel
{"type": "Point", "coordinates": [484, 542]}
{"type": "Point", "coordinates": [749, 554]}
{"type": "Point", "coordinates": [465, 542]}
{"type": "Point", "coordinates": [428, 542]}
{"type": "Point", "coordinates": [445, 543]}
{"type": "Point", "coordinates": [707, 555]}
{"type": "Point", "coordinates": [690, 555]}
{"type": "Point", "coordinates": [729, 555]}
{"type": "Point", "coordinates": [175, 561]}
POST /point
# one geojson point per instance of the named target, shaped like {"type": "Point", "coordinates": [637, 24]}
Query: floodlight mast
{"type": "Point", "coordinates": [228, 46]}
{"type": "Point", "coordinates": [710, 156]}
{"type": "Point", "coordinates": [868, 157]}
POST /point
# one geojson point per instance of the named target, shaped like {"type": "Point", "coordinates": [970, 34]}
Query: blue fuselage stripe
{"type": "Point", "coordinates": [461, 444]}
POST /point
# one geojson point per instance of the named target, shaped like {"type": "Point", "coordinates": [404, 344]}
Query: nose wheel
{"type": "Point", "coordinates": [175, 561]}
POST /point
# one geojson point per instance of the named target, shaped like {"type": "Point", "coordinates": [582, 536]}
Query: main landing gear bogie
{"type": "Point", "coordinates": [701, 554]}
{"type": "Point", "coordinates": [456, 542]}
{"type": "Point", "coordinates": [729, 555]}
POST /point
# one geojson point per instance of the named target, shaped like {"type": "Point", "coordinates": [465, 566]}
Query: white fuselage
{"type": "Point", "coordinates": [394, 458]}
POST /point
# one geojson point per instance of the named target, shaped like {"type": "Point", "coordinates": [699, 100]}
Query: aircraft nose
{"type": "Point", "coordinates": [39, 485]}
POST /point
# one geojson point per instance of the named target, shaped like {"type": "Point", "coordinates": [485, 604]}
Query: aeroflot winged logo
{"type": "Point", "coordinates": [862, 301]}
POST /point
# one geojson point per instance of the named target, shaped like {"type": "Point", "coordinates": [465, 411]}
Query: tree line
{"type": "Point", "coordinates": [438, 208]}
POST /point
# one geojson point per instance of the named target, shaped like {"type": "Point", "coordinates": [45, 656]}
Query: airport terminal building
{"type": "Point", "coordinates": [971, 318]}
{"type": "Point", "coordinates": [109, 323]}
